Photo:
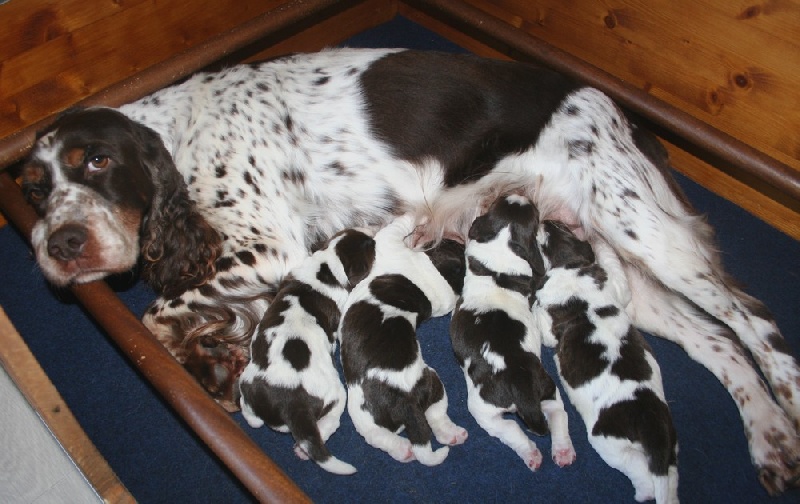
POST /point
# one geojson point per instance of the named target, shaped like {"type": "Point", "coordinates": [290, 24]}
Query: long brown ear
{"type": "Point", "coordinates": [179, 246]}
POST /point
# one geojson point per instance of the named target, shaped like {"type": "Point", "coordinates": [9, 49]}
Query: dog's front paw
{"type": "Point", "coordinates": [217, 365]}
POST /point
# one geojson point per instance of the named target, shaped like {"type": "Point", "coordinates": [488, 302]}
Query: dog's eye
{"type": "Point", "coordinates": [35, 195]}
{"type": "Point", "coordinates": [98, 163]}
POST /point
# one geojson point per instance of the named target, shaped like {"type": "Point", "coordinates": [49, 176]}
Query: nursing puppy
{"type": "Point", "coordinates": [495, 338]}
{"type": "Point", "coordinates": [606, 366]}
{"type": "Point", "coordinates": [291, 383]}
{"type": "Point", "coordinates": [390, 388]}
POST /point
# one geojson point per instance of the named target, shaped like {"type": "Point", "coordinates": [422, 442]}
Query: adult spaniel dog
{"type": "Point", "coordinates": [221, 184]}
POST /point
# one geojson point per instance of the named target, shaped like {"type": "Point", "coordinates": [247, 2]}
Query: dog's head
{"type": "Point", "coordinates": [346, 258]}
{"type": "Point", "coordinates": [562, 248]}
{"type": "Point", "coordinates": [521, 217]}
{"type": "Point", "coordinates": [448, 258]}
{"type": "Point", "coordinates": [107, 192]}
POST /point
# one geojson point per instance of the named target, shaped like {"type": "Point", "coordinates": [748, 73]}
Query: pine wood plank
{"type": "Point", "coordinates": [75, 61]}
{"type": "Point", "coordinates": [738, 73]}
{"type": "Point", "coordinates": [331, 31]}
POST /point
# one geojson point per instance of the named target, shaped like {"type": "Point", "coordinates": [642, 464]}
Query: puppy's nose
{"type": "Point", "coordinates": [67, 242]}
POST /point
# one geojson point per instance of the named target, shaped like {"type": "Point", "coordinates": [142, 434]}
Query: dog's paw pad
{"type": "Point", "coordinates": [533, 459]}
{"type": "Point", "coordinates": [459, 437]}
{"type": "Point", "coordinates": [644, 495]}
{"type": "Point", "coordinates": [564, 456]}
{"type": "Point", "coordinates": [403, 453]}
{"type": "Point", "coordinates": [301, 454]}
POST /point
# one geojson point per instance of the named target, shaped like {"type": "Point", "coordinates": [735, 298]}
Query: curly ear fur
{"type": "Point", "coordinates": [179, 246]}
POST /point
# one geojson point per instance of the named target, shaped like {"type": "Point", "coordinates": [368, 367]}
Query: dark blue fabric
{"type": "Point", "coordinates": [160, 460]}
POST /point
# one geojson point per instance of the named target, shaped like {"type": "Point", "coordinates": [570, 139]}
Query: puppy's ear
{"type": "Point", "coordinates": [448, 258]}
{"type": "Point", "coordinates": [356, 250]}
{"type": "Point", "coordinates": [564, 249]}
{"type": "Point", "coordinates": [483, 229]}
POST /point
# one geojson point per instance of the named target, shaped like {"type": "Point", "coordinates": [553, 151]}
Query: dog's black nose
{"type": "Point", "coordinates": [67, 242]}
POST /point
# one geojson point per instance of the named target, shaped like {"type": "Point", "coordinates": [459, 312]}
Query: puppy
{"type": "Point", "coordinates": [389, 386]}
{"type": "Point", "coordinates": [605, 365]}
{"type": "Point", "coordinates": [291, 383]}
{"type": "Point", "coordinates": [495, 338]}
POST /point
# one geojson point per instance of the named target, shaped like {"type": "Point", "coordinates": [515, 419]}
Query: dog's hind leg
{"type": "Point", "coordinates": [673, 250]}
{"type": "Point", "coordinates": [490, 418]}
{"type": "Point", "coordinates": [398, 447]}
{"type": "Point", "coordinates": [330, 422]}
{"type": "Point", "coordinates": [773, 443]}
{"type": "Point", "coordinates": [446, 432]}
{"type": "Point", "coordinates": [420, 434]}
{"type": "Point", "coordinates": [650, 228]}
{"type": "Point", "coordinates": [629, 459]}
{"type": "Point", "coordinates": [627, 197]}
{"type": "Point", "coordinates": [562, 452]}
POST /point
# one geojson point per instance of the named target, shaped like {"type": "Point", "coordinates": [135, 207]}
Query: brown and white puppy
{"type": "Point", "coordinates": [390, 387]}
{"type": "Point", "coordinates": [291, 382]}
{"type": "Point", "coordinates": [606, 366]}
{"type": "Point", "coordinates": [496, 340]}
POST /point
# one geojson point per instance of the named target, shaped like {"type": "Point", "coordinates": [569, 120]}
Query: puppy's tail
{"type": "Point", "coordinates": [309, 442]}
{"type": "Point", "coordinates": [529, 385]}
{"type": "Point", "coordinates": [666, 487]}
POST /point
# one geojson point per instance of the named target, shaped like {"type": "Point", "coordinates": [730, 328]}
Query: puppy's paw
{"type": "Point", "coordinates": [453, 436]}
{"type": "Point", "coordinates": [402, 452]}
{"type": "Point", "coordinates": [300, 452]}
{"type": "Point", "coordinates": [644, 494]}
{"type": "Point", "coordinates": [563, 456]}
{"type": "Point", "coordinates": [428, 457]}
{"type": "Point", "coordinates": [532, 458]}
{"type": "Point", "coordinates": [460, 437]}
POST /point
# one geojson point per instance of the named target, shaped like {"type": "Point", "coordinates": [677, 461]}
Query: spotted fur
{"type": "Point", "coordinates": [390, 387]}
{"type": "Point", "coordinates": [245, 169]}
{"type": "Point", "coordinates": [495, 339]}
{"type": "Point", "coordinates": [291, 382]}
{"type": "Point", "coordinates": [605, 365]}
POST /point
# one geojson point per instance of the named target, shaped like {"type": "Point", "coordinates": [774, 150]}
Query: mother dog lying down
{"type": "Point", "coordinates": [221, 184]}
